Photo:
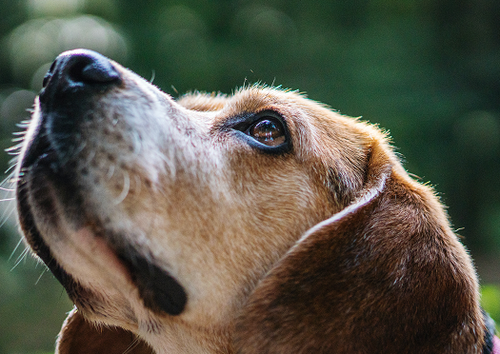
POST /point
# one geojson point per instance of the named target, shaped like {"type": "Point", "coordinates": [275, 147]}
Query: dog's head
{"type": "Point", "coordinates": [258, 222]}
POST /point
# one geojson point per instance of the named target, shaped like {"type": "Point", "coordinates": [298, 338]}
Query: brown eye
{"type": "Point", "coordinates": [268, 131]}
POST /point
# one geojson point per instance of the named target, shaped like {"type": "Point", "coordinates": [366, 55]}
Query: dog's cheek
{"type": "Point", "coordinates": [278, 201]}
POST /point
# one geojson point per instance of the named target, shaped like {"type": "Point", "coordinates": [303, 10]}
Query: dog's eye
{"type": "Point", "coordinates": [265, 130]}
{"type": "Point", "coordinates": [268, 131]}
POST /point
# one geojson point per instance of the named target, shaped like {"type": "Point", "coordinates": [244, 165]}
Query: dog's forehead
{"type": "Point", "coordinates": [307, 121]}
{"type": "Point", "coordinates": [318, 131]}
{"type": "Point", "coordinates": [245, 100]}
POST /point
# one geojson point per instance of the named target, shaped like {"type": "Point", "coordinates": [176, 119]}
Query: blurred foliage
{"type": "Point", "coordinates": [490, 294]}
{"type": "Point", "coordinates": [428, 71]}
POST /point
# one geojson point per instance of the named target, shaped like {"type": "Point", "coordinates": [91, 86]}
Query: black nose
{"type": "Point", "coordinates": [80, 69]}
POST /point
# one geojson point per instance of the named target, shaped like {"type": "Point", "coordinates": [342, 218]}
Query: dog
{"type": "Point", "coordinates": [257, 222]}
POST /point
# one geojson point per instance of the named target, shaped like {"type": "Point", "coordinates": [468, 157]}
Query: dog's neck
{"type": "Point", "coordinates": [183, 338]}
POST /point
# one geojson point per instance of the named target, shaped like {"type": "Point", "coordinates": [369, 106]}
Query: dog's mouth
{"type": "Point", "coordinates": [50, 195]}
{"type": "Point", "coordinates": [43, 187]}
{"type": "Point", "coordinates": [32, 234]}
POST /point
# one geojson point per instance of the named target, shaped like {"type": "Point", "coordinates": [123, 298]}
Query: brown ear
{"type": "Point", "coordinates": [81, 337]}
{"type": "Point", "coordinates": [384, 275]}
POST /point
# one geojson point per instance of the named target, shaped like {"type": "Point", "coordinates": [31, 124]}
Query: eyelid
{"type": "Point", "coordinates": [241, 125]}
{"type": "Point", "coordinates": [246, 121]}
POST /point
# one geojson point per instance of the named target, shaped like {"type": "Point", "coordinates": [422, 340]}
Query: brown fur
{"type": "Point", "coordinates": [328, 248]}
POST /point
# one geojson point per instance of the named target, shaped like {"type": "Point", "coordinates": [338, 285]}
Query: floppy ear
{"type": "Point", "coordinates": [384, 275]}
{"type": "Point", "coordinates": [81, 337]}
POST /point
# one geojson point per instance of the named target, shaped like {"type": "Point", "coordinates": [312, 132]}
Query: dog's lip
{"type": "Point", "coordinates": [87, 242]}
{"type": "Point", "coordinates": [97, 251]}
{"type": "Point", "coordinates": [36, 241]}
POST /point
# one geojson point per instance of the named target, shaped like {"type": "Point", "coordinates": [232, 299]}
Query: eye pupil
{"type": "Point", "coordinates": [268, 132]}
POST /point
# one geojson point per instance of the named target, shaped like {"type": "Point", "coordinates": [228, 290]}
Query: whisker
{"type": "Point", "coordinates": [14, 148]}
{"type": "Point", "coordinates": [111, 171]}
{"type": "Point", "coordinates": [125, 190]}
{"type": "Point", "coordinates": [7, 213]}
{"type": "Point", "coordinates": [169, 163]}
{"type": "Point", "coordinates": [40, 277]}
{"type": "Point", "coordinates": [90, 157]}
{"type": "Point", "coordinates": [15, 249]}
{"type": "Point", "coordinates": [80, 148]}
{"type": "Point", "coordinates": [11, 167]}
{"type": "Point", "coordinates": [137, 142]}
{"type": "Point", "coordinates": [21, 257]}
{"type": "Point", "coordinates": [274, 81]}
{"type": "Point", "coordinates": [7, 199]}
{"type": "Point", "coordinates": [132, 345]}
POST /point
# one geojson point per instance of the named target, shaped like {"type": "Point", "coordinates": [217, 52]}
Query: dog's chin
{"type": "Point", "coordinates": [77, 247]}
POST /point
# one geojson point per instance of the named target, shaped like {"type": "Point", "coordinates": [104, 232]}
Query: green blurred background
{"type": "Point", "coordinates": [427, 71]}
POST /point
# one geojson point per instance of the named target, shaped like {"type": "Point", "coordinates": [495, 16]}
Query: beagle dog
{"type": "Point", "coordinates": [258, 222]}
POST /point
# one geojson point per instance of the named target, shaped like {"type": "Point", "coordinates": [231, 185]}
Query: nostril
{"type": "Point", "coordinates": [46, 79]}
{"type": "Point", "coordinates": [75, 69]}
{"type": "Point", "coordinates": [90, 67]}
{"type": "Point", "coordinates": [99, 72]}
{"type": "Point", "coordinates": [49, 74]}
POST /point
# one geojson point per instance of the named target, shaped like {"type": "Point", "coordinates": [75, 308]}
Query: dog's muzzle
{"type": "Point", "coordinates": [70, 87]}
{"type": "Point", "coordinates": [48, 176]}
